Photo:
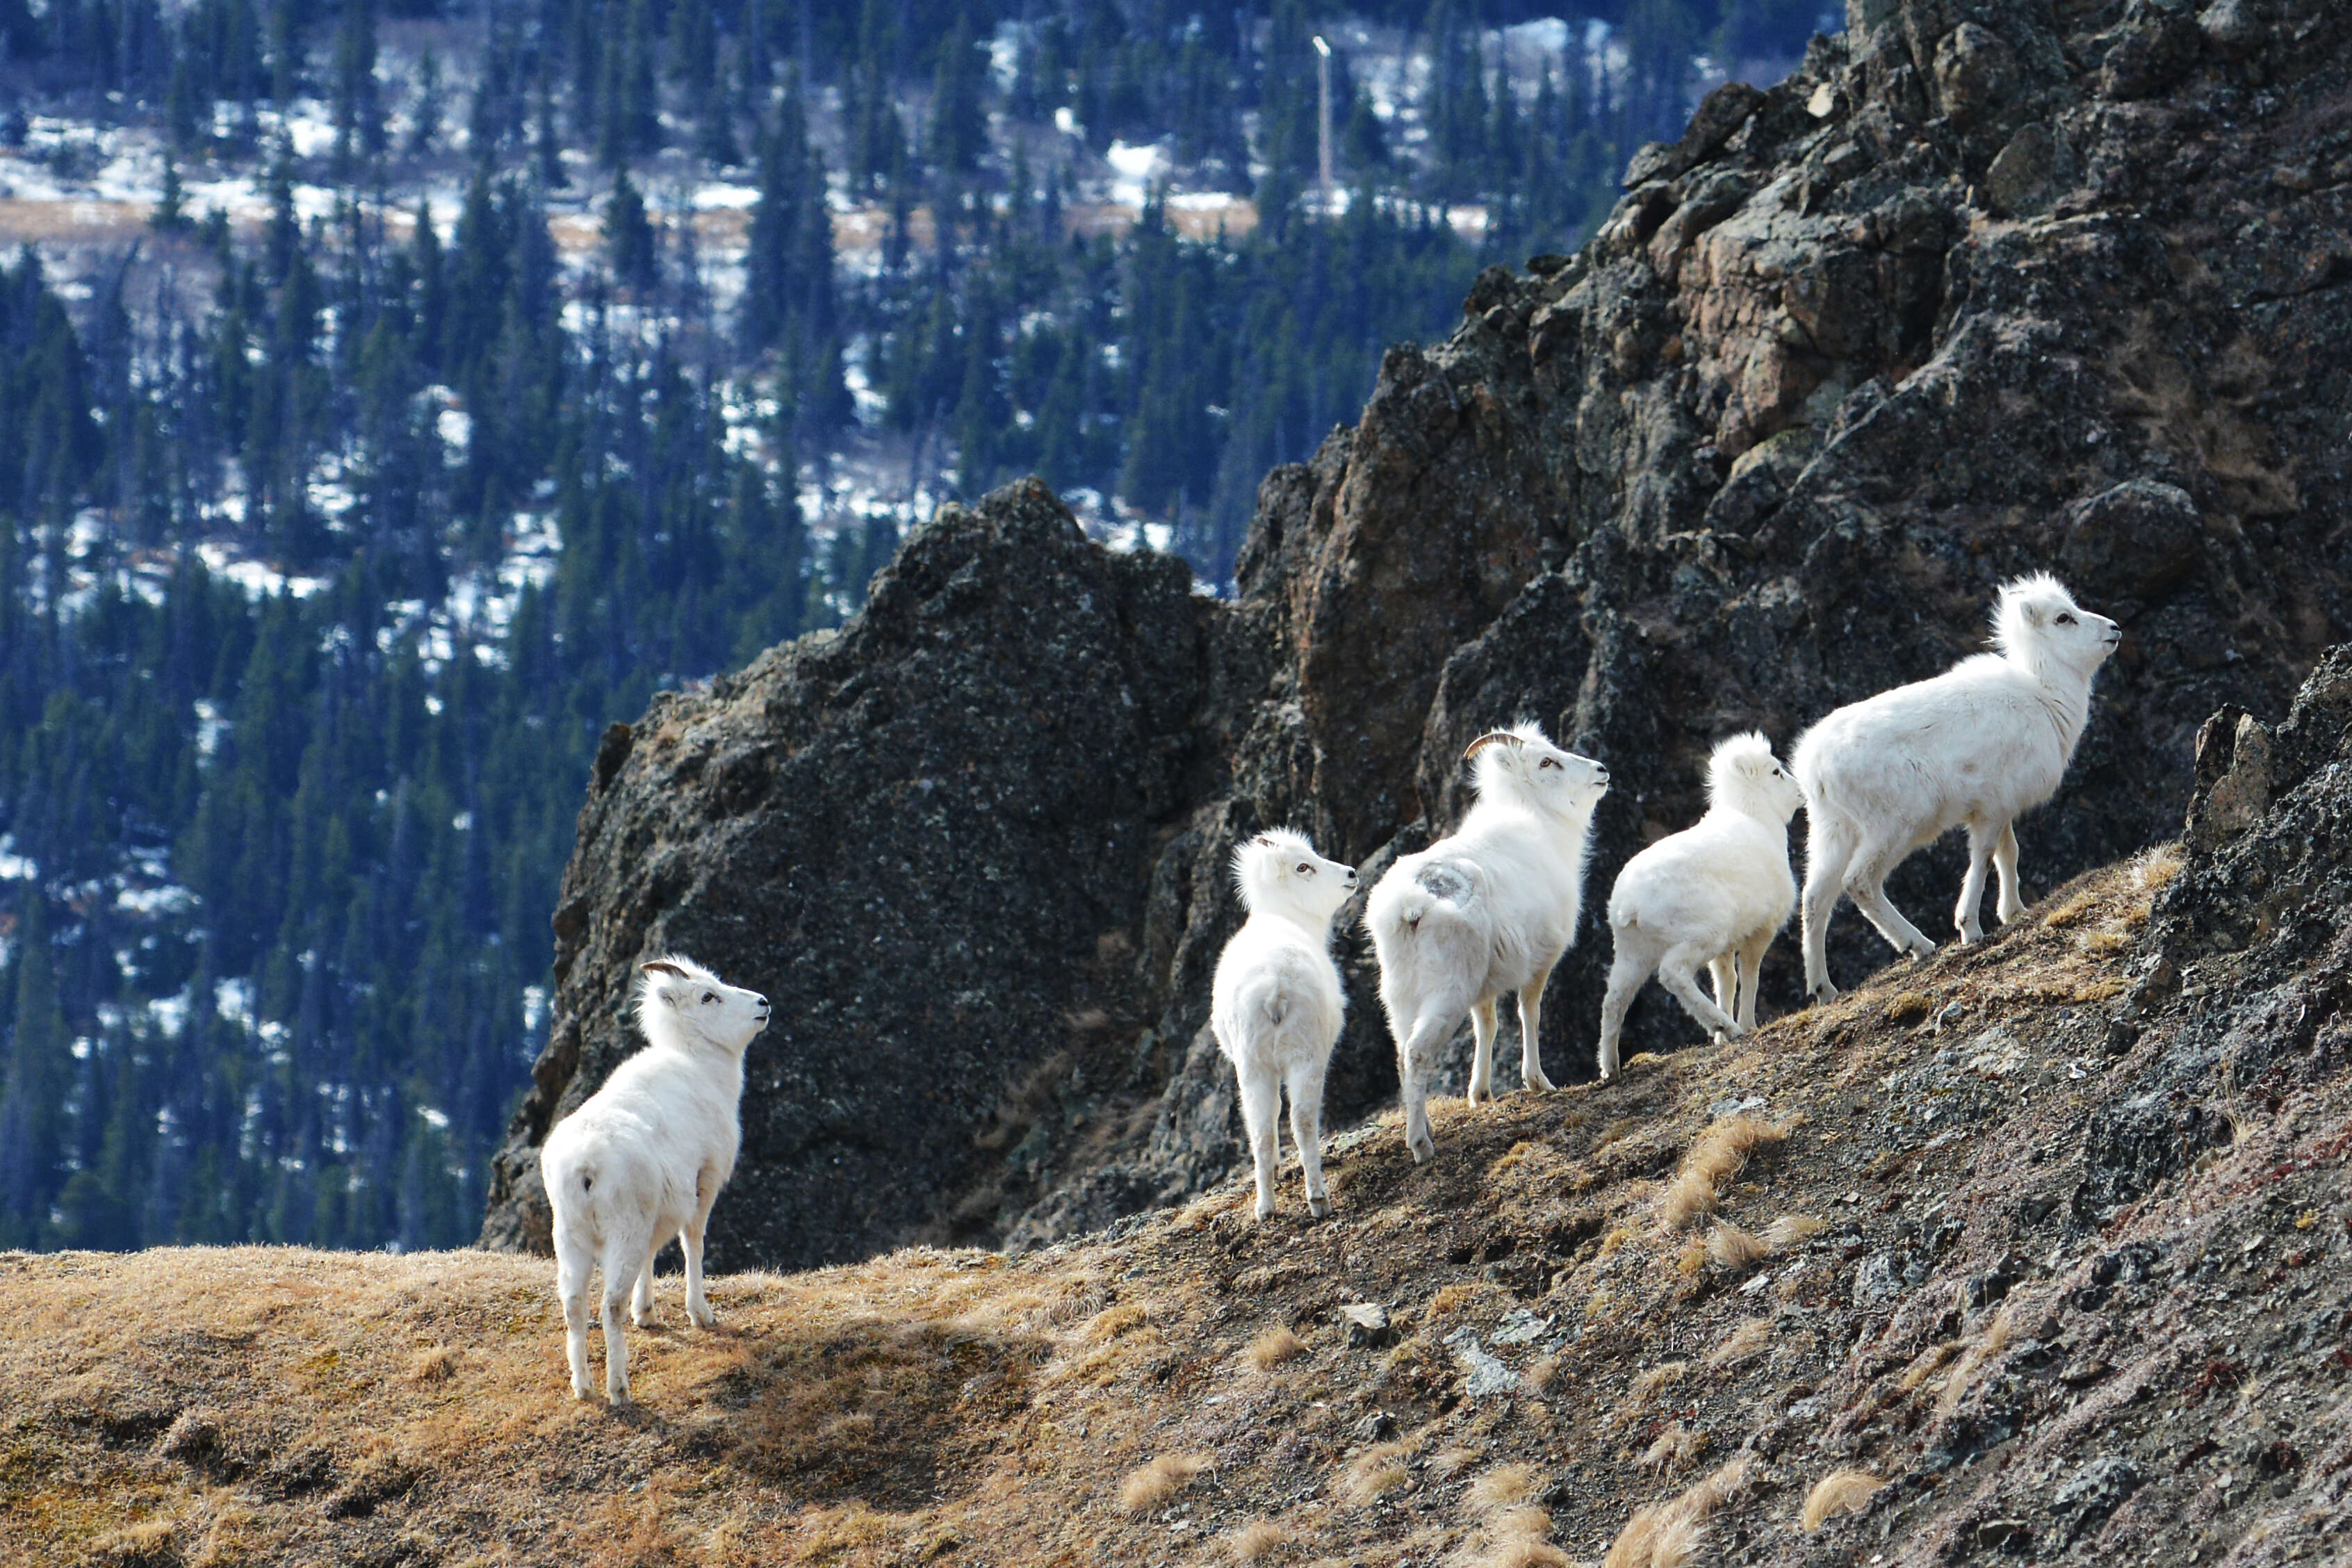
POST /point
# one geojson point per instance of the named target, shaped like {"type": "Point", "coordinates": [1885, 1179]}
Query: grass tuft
{"type": "Point", "coordinates": [1274, 1346]}
{"type": "Point", "coordinates": [1504, 1487]}
{"type": "Point", "coordinates": [1719, 1154]}
{"type": "Point", "coordinates": [1746, 1343]}
{"type": "Point", "coordinates": [1259, 1540]}
{"type": "Point", "coordinates": [1375, 1473]}
{"type": "Point", "coordinates": [1840, 1492]}
{"type": "Point", "coordinates": [1729, 1246]}
{"type": "Point", "coordinates": [1150, 1486]}
{"type": "Point", "coordinates": [1792, 1230]}
{"type": "Point", "coordinates": [437, 1364]}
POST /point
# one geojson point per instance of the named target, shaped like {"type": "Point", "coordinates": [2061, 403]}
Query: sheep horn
{"type": "Point", "coordinates": [1488, 739]}
{"type": "Point", "coordinates": [663, 966]}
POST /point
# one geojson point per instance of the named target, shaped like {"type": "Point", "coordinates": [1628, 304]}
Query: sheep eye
{"type": "Point", "coordinates": [1305, 870]}
{"type": "Point", "coordinates": [708, 998]}
{"type": "Point", "coordinates": [2065, 620]}
{"type": "Point", "coordinates": [1547, 763]}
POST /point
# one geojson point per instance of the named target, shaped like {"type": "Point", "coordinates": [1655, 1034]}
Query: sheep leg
{"type": "Point", "coordinates": [1723, 973]}
{"type": "Point", "coordinates": [1678, 973]}
{"type": "Point", "coordinates": [1531, 1068]}
{"type": "Point", "coordinates": [1483, 1025]}
{"type": "Point", "coordinates": [1627, 974]}
{"type": "Point", "coordinates": [2004, 860]}
{"type": "Point", "coordinates": [1306, 1128]}
{"type": "Point", "coordinates": [1828, 848]}
{"type": "Point", "coordinates": [1261, 1115]}
{"type": "Point", "coordinates": [620, 1254]}
{"type": "Point", "coordinates": [1866, 884]}
{"type": "Point", "coordinates": [690, 1237]}
{"type": "Point", "coordinates": [641, 1301]}
{"type": "Point", "coordinates": [1751, 972]}
{"type": "Point", "coordinates": [1966, 914]}
{"type": "Point", "coordinates": [1416, 1058]}
{"type": "Point", "coordinates": [571, 1290]}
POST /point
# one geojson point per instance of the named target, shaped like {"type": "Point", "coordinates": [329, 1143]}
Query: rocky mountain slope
{"type": "Point", "coordinates": [1982, 288]}
{"type": "Point", "coordinates": [2034, 1251]}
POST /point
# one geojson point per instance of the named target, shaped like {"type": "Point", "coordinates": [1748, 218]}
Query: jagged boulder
{"type": "Point", "coordinates": [927, 838]}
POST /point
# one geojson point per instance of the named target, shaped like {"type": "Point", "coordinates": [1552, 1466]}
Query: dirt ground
{"type": "Point", "coordinates": [1871, 1286]}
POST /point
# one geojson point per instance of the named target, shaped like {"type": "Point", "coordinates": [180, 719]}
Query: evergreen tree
{"type": "Point", "coordinates": [629, 242]}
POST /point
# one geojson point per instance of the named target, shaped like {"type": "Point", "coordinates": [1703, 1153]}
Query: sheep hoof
{"type": "Point", "coordinates": [1265, 1211]}
{"type": "Point", "coordinates": [1540, 1084]}
{"type": "Point", "coordinates": [705, 1318]}
{"type": "Point", "coordinates": [1320, 1207]}
{"type": "Point", "coordinates": [1422, 1151]}
{"type": "Point", "coordinates": [1824, 994]}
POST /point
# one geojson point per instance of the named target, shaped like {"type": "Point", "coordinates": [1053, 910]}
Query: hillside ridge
{"type": "Point", "coordinates": [2045, 1241]}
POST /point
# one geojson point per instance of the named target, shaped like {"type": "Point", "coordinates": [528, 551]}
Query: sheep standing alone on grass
{"type": "Point", "coordinates": [1973, 747]}
{"type": "Point", "coordinates": [1488, 910]}
{"type": "Point", "coordinates": [1275, 1004]}
{"type": "Point", "coordinates": [1714, 894]}
{"type": "Point", "coordinates": [642, 1160]}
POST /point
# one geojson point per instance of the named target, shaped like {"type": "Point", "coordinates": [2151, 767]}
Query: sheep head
{"type": "Point", "coordinates": [1743, 775]}
{"type": "Point", "coordinates": [680, 1000]}
{"type": "Point", "coordinates": [1522, 764]}
{"type": "Point", "coordinates": [2036, 624]}
{"type": "Point", "coordinates": [1279, 873]}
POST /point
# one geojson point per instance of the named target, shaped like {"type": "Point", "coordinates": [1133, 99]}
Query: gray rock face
{"type": "Point", "coordinates": [1767, 445]}
{"type": "Point", "coordinates": [927, 840]}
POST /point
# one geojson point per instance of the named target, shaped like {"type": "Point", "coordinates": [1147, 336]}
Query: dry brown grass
{"type": "Point", "coordinates": [1670, 1534]}
{"type": "Point", "coordinates": [1678, 1447]}
{"type": "Point", "coordinates": [1151, 1486]}
{"type": "Point", "coordinates": [1447, 1463]}
{"type": "Point", "coordinates": [1517, 1538]}
{"type": "Point", "coordinates": [1840, 1492]}
{"type": "Point", "coordinates": [1375, 1473]}
{"type": "Point", "coordinates": [1505, 1486]}
{"type": "Point", "coordinates": [1259, 1540]}
{"type": "Point", "coordinates": [1720, 1153]}
{"type": "Point", "coordinates": [1729, 1246]}
{"type": "Point", "coordinates": [909, 1409]}
{"type": "Point", "coordinates": [1111, 1323]}
{"type": "Point", "coordinates": [1635, 1542]}
{"type": "Point", "coordinates": [437, 1364]}
{"type": "Point", "coordinates": [1986, 1345]}
{"type": "Point", "coordinates": [1744, 1343]}
{"type": "Point", "coordinates": [1274, 1346]}
{"type": "Point", "coordinates": [1929, 1363]}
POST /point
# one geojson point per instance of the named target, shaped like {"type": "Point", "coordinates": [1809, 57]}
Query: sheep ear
{"type": "Point", "coordinates": [663, 966]}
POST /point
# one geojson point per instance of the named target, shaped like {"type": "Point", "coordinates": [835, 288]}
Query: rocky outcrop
{"type": "Point", "coordinates": [1983, 288]}
{"type": "Point", "coordinates": [927, 840]}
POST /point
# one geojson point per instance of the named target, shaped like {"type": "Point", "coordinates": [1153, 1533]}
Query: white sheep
{"type": "Point", "coordinates": [1488, 909]}
{"type": "Point", "coordinates": [1276, 1006]}
{"type": "Point", "coordinates": [1715, 894]}
{"type": "Point", "coordinates": [1973, 747]}
{"type": "Point", "coordinates": [643, 1158]}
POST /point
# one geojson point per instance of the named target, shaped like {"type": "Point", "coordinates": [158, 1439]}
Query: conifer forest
{"type": "Point", "coordinates": [396, 393]}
